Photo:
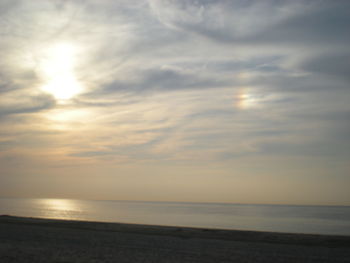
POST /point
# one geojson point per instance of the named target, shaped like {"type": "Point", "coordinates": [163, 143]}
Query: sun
{"type": "Point", "coordinates": [58, 70]}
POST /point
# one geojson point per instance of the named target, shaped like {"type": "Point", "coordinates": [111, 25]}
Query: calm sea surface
{"type": "Point", "coordinates": [279, 218]}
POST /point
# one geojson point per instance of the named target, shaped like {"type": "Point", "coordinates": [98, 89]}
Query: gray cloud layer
{"type": "Point", "coordinates": [179, 82]}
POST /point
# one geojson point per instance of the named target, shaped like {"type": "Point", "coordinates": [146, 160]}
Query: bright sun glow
{"type": "Point", "coordinates": [63, 119]}
{"type": "Point", "coordinates": [58, 71]}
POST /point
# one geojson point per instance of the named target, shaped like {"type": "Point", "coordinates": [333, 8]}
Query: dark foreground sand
{"type": "Point", "coordinates": [43, 240]}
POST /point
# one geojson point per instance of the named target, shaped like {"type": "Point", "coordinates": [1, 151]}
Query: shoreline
{"type": "Point", "coordinates": [186, 232]}
{"type": "Point", "coordinates": [84, 240]}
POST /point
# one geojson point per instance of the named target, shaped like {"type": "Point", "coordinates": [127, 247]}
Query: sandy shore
{"type": "Point", "coordinates": [60, 241]}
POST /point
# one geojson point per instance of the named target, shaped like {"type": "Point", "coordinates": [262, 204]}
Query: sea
{"type": "Point", "coordinates": [333, 220]}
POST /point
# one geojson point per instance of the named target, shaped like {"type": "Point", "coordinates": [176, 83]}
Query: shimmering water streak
{"type": "Point", "coordinates": [279, 218]}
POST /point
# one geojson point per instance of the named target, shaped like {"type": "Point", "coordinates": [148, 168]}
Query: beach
{"type": "Point", "coordinates": [47, 240]}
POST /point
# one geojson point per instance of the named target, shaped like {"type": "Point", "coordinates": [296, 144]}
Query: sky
{"type": "Point", "coordinates": [176, 100]}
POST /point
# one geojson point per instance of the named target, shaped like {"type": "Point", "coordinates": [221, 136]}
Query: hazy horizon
{"type": "Point", "coordinates": [214, 101]}
{"type": "Point", "coordinates": [169, 201]}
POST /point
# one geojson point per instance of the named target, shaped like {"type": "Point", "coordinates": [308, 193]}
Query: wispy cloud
{"type": "Point", "coordinates": [232, 87]}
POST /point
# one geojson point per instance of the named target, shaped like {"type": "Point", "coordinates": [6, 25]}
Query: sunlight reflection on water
{"type": "Point", "coordinates": [60, 208]}
{"type": "Point", "coordinates": [280, 218]}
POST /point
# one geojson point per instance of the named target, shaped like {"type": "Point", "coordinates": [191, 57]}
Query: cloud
{"type": "Point", "coordinates": [12, 80]}
{"type": "Point", "coordinates": [258, 22]}
{"type": "Point", "coordinates": [335, 64]}
{"type": "Point", "coordinates": [323, 24]}
{"type": "Point", "coordinates": [237, 86]}
{"type": "Point", "coordinates": [30, 104]}
{"type": "Point", "coordinates": [8, 5]}
{"type": "Point", "coordinates": [225, 21]}
{"type": "Point", "coordinates": [157, 80]}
